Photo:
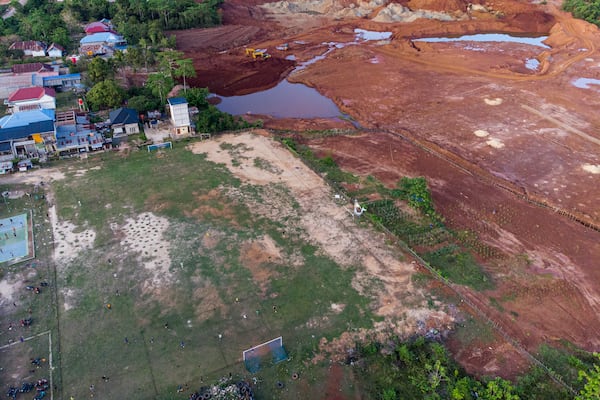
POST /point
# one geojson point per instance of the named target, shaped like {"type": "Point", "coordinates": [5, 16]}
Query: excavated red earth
{"type": "Point", "coordinates": [511, 153]}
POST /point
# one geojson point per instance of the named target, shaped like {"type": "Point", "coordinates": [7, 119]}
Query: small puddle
{"type": "Point", "coordinates": [532, 64]}
{"type": "Point", "coordinates": [362, 34]}
{"type": "Point", "coordinates": [490, 37]}
{"type": "Point", "coordinates": [585, 83]}
{"type": "Point", "coordinates": [286, 100]}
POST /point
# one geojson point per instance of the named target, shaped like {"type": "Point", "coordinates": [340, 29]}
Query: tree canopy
{"type": "Point", "coordinates": [588, 10]}
{"type": "Point", "coordinates": [105, 94]}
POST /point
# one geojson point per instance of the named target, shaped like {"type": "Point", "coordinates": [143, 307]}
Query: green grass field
{"type": "Point", "coordinates": [155, 338]}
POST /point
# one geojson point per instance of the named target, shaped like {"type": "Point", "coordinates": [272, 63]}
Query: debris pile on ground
{"type": "Point", "coordinates": [399, 13]}
{"type": "Point", "coordinates": [331, 8]}
{"type": "Point", "coordinates": [225, 390]}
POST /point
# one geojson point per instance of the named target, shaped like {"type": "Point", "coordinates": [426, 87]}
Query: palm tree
{"type": "Point", "coordinates": [160, 83]}
{"type": "Point", "coordinates": [185, 68]}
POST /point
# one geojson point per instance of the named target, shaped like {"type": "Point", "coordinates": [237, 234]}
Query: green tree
{"type": "Point", "coordinates": [185, 69]}
{"type": "Point", "coordinates": [60, 35]}
{"type": "Point", "coordinates": [499, 389]}
{"type": "Point", "coordinates": [591, 388]}
{"type": "Point", "coordinates": [105, 94]}
{"type": "Point", "coordinates": [167, 60]}
{"type": "Point", "coordinates": [196, 97]}
{"type": "Point", "coordinates": [160, 83]}
{"type": "Point", "coordinates": [142, 103]}
{"type": "Point", "coordinates": [99, 70]}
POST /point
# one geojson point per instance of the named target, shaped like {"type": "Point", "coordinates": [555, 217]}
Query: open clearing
{"type": "Point", "coordinates": [510, 151]}
{"type": "Point", "coordinates": [222, 245]}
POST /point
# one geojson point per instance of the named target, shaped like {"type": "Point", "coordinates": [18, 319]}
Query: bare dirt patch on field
{"type": "Point", "coordinates": [69, 240]}
{"type": "Point", "coordinates": [144, 236]}
{"type": "Point", "coordinates": [259, 256]}
{"type": "Point", "coordinates": [331, 227]}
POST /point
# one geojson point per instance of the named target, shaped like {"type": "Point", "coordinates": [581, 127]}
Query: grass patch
{"type": "Point", "coordinates": [459, 267]}
{"type": "Point", "coordinates": [66, 100]}
{"type": "Point", "coordinates": [210, 297]}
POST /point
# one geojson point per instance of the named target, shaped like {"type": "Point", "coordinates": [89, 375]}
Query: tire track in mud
{"type": "Point", "coordinates": [487, 177]}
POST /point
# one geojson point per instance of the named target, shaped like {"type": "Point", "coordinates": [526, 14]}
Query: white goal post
{"type": "Point", "coordinates": [256, 350]}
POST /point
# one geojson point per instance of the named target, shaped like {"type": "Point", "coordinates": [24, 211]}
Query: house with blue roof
{"type": "Point", "coordinates": [27, 134]}
{"type": "Point", "coordinates": [101, 43]}
{"type": "Point", "coordinates": [180, 117]}
{"type": "Point", "coordinates": [124, 121]}
{"type": "Point", "coordinates": [77, 138]}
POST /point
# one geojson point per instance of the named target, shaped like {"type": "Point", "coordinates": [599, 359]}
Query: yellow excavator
{"type": "Point", "coordinates": [257, 53]}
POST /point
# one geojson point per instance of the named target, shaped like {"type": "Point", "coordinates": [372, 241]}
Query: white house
{"type": "Point", "coordinates": [55, 51]}
{"type": "Point", "coordinates": [180, 116]}
{"type": "Point", "coordinates": [32, 48]}
{"type": "Point", "coordinates": [31, 98]}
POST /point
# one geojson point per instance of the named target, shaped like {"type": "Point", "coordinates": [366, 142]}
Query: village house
{"type": "Point", "coordinates": [124, 121]}
{"type": "Point", "coordinates": [179, 116]}
{"type": "Point", "coordinates": [102, 43]}
{"type": "Point", "coordinates": [31, 98]}
{"type": "Point", "coordinates": [33, 48]}
{"type": "Point", "coordinates": [98, 27]}
{"type": "Point", "coordinates": [24, 75]}
{"type": "Point", "coordinates": [28, 134]}
{"type": "Point", "coordinates": [55, 51]}
{"type": "Point", "coordinates": [63, 82]}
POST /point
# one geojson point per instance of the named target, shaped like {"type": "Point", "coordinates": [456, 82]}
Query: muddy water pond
{"type": "Point", "coordinates": [491, 37]}
{"type": "Point", "coordinates": [286, 100]}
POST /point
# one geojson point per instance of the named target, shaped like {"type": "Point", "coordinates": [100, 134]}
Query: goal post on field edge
{"type": "Point", "coordinates": [264, 354]}
{"type": "Point", "coordinates": [157, 146]}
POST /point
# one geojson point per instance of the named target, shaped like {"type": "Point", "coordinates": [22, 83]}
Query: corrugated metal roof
{"type": "Point", "coordinates": [177, 100]}
{"type": "Point", "coordinates": [31, 67]}
{"type": "Point", "coordinates": [102, 37]}
{"type": "Point", "coordinates": [123, 116]}
{"type": "Point", "coordinates": [30, 93]}
{"type": "Point", "coordinates": [23, 124]}
{"type": "Point", "coordinates": [25, 118]}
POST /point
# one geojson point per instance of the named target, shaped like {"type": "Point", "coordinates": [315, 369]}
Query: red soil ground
{"type": "Point", "coordinates": [510, 153]}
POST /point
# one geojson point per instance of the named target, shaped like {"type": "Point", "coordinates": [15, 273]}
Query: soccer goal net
{"type": "Point", "coordinates": [265, 354]}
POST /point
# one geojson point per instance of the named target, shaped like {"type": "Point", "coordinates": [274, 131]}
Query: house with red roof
{"type": "Point", "coordinates": [24, 75]}
{"type": "Point", "coordinates": [98, 27]}
{"type": "Point", "coordinates": [33, 48]}
{"type": "Point", "coordinates": [31, 98]}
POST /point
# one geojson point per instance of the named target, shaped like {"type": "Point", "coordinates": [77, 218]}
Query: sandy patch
{"type": "Point", "coordinates": [7, 290]}
{"type": "Point", "coordinates": [256, 255]}
{"type": "Point", "coordinates": [16, 194]}
{"type": "Point", "coordinates": [67, 242]}
{"type": "Point", "coordinates": [81, 172]}
{"type": "Point", "coordinates": [69, 299]}
{"type": "Point", "coordinates": [337, 308]}
{"type": "Point", "coordinates": [144, 235]}
{"type": "Point", "coordinates": [328, 225]}
{"type": "Point", "coordinates": [212, 204]}
{"type": "Point", "coordinates": [495, 143]}
{"type": "Point", "coordinates": [481, 133]}
{"type": "Point", "coordinates": [594, 169]}
{"type": "Point", "coordinates": [493, 102]}
{"type": "Point", "coordinates": [211, 239]}
{"type": "Point", "coordinates": [34, 176]}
